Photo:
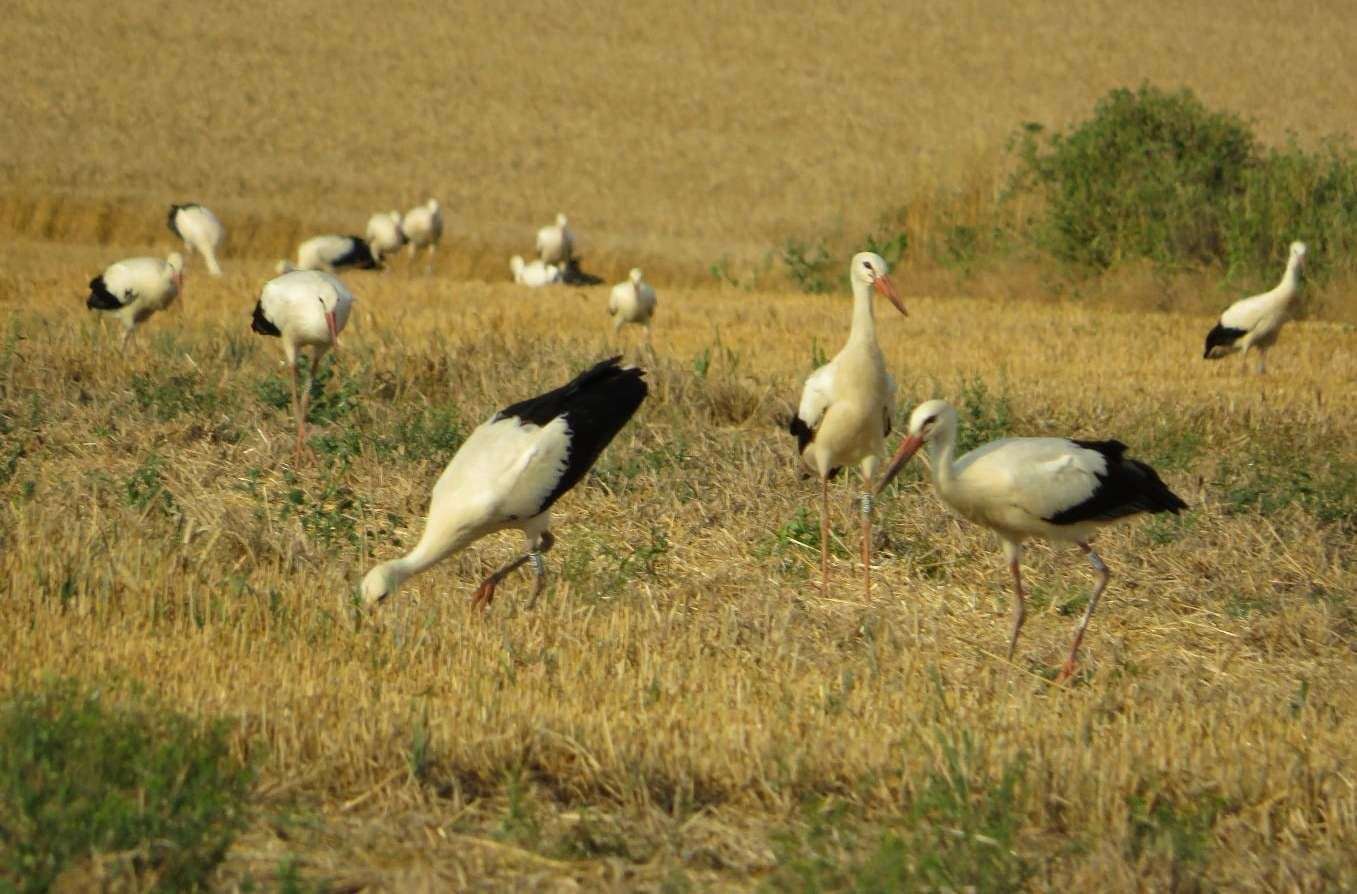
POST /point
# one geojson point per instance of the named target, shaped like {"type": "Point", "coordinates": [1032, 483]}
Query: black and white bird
{"type": "Point", "coordinates": [200, 230]}
{"type": "Point", "coordinates": [1257, 321]}
{"type": "Point", "coordinates": [1055, 488]}
{"type": "Point", "coordinates": [304, 308]}
{"type": "Point", "coordinates": [331, 252]}
{"type": "Point", "coordinates": [384, 234]}
{"type": "Point", "coordinates": [135, 288]}
{"type": "Point", "coordinates": [510, 472]}
{"type": "Point", "coordinates": [555, 242]}
{"type": "Point", "coordinates": [423, 228]}
{"type": "Point", "coordinates": [846, 408]}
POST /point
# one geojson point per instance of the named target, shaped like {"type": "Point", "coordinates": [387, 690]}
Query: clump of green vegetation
{"type": "Point", "coordinates": [983, 415]}
{"type": "Point", "coordinates": [171, 396]}
{"type": "Point", "coordinates": [146, 486]}
{"type": "Point", "coordinates": [1173, 835]}
{"type": "Point", "coordinates": [140, 792]}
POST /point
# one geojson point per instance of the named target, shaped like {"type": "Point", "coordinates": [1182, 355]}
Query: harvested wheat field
{"type": "Point", "coordinates": [683, 710]}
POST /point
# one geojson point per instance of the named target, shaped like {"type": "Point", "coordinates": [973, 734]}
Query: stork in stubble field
{"type": "Point", "coordinates": [510, 472]}
{"type": "Point", "coordinates": [135, 288]}
{"type": "Point", "coordinates": [332, 252]}
{"type": "Point", "coordinates": [384, 234]}
{"type": "Point", "coordinates": [200, 230]}
{"type": "Point", "coordinates": [633, 302]}
{"type": "Point", "coordinates": [555, 242]}
{"type": "Point", "coordinates": [1256, 322]}
{"type": "Point", "coordinates": [304, 308]}
{"type": "Point", "coordinates": [423, 228]}
{"type": "Point", "coordinates": [1056, 488]}
{"type": "Point", "coordinates": [846, 407]}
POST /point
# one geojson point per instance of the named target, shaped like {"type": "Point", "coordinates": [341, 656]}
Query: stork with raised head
{"type": "Point", "coordinates": [384, 234]}
{"type": "Point", "coordinates": [1257, 321]}
{"type": "Point", "coordinates": [846, 407]}
{"type": "Point", "coordinates": [510, 472]}
{"type": "Point", "coordinates": [534, 273]}
{"type": "Point", "coordinates": [633, 302]}
{"type": "Point", "coordinates": [332, 252]}
{"type": "Point", "coordinates": [304, 308]}
{"type": "Point", "coordinates": [1056, 488]}
{"type": "Point", "coordinates": [555, 243]}
{"type": "Point", "coordinates": [423, 228]}
{"type": "Point", "coordinates": [135, 288]}
{"type": "Point", "coordinates": [200, 230]}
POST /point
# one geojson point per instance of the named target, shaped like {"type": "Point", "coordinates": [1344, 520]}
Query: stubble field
{"type": "Point", "coordinates": [683, 710]}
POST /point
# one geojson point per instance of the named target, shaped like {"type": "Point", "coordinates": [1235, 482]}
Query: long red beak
{"type": "Point", "coordinates": [908, 447]}
{"type": "Point", "coordinates": [884, 285]}
{"type": "Point", "coordinates": [333, 327]}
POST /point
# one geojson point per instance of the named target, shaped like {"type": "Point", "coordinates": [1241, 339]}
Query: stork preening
{"type": "Point", "coordinates": [1257, 321]}
{"type": "Point", "coordinates": [304, 308]}
{"type": "Point", "coordinates": [846, 407]}
{"type": "Point", "coordinates": [555, 243]}
{"type": "Point", "coordinates": [200, 230]}
{"type": "Point", "coordinates": [135, 288]}
{"type": "Point", "coordinates": [510, 472]}
{"type": "Point", "coordinates": [1056, 488]}
{"type": "Point", "coordinates": [423, 228]}
{"type": "Point", "coordinates": [384, 234]}
{"type": "Point", "coordinates": [534, 273]}
{"type": "Point", "coordinates": [330, 252]}
{"type": "Point", "coordinates": [633, 302]}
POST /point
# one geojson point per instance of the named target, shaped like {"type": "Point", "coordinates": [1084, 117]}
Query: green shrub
{"type": "Point", "coordinates": [157, 795]}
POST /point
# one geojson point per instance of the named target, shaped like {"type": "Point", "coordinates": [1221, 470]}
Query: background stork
{"type": "Point", "coordinates": [510, 472]}
{"type": "Point", "coordinates": [200, 230]}
{"type": "Point", "coordinates": [555, 242]}
{"type": "Point", "coordinates": [1256, 322]}
{"type": "Point", "coordinates": [304, 308]}
{"type": "Point", "coordinates": [1057, 488]}
{"type": "Point", "coordinates": [632, 301]}
{"type": "Point", "coordinates": [135, 288]}
{"type": "Point", "coordinates": [384, 234]}
{"type": "Point", "coordinates": [331, 252]}
{"type": "Point", "coordinates": [846, 407]}
{"type": "Point", "coordinates": [423, 228]}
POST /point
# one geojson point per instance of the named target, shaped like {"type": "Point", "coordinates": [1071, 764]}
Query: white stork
{"type": "Point", "coordinates": [332, 252]}
{"type": "Point", "coordinates": [632, 301]}
{"type": "Point", "coordinates": [303, 308]}
{"type": "Point", "coordinates": [200, 230]}
{"type": "Point", "coordinates": [423, 227]}
{"type": "Point", "coordinates": [1019, 488]}
{"type": "Point", "coordinates": [511, 470]}
{"type": "Point", "coordinates": [555, 243]}
{"type": "Point", "coordinates": [846, 407]}
{"type": "Point", "coordinates": [135, 288]}
{"type": "Point", "coordinates": [534, 273]}
{"type": "Point", "coordinates": [1256, 322]}
{"type": "Point", "coordinates": [384, 234]}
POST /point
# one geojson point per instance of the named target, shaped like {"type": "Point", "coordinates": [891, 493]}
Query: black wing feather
{"type": "Point", "coordinates": [1222, 337]}
{"type": "Point", "coordinates": [262, 324]}
{"type": "Point", "coordinates": [174, 212]}
{"type": "Point", "coordinates": [359, 255]}
{"type": "Point", "coordinates": [1129, 486]}
{"type": "Point", "coordinates": [595, 405]}
{"type": "Point", "coordinates": [100, 297]}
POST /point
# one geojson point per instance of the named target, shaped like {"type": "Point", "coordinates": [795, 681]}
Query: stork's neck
{"type": "Point", "coordinates": [1291, 279]}
{"type": "Point", "coordinates": [864, 323]}
{"type": "Point", "coordinates": [433, 547]}
{"type": "Point", "coordinates": [941, 451]}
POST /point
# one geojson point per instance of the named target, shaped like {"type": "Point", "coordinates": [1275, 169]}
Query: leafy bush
{"type": "Point", "coordinates": [157, 795]}
{"type": "Point", "coordinates": [1157, 175]}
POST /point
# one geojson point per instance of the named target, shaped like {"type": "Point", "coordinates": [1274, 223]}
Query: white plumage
{"type": "Point", "coordinates": [1257, 321]}
{"type": "Point", "coordinates": [332, 252]}
{"type": "Point", "coordinates": [1056, 488]}
{"type": "Point", "coordinates": [534, 273]}
{"type": "Point", "coordinates": [135, 288]}
{"type": "Point", "coordinates": [555, 243]}
{"type": "Point", "coordinates": [846, 406]}
{"type": "Point", "coordinates": [632, 301]}
{"type": "Point", "coordinates": [423, 228]}
{"type": "Point", "coordinates": [201, 232]}
{"type": "Point", "coordinates": [304, 308]}
{"type": "Point", "coordinates": [512, 469]}
{"type": "Point", "coordinates": [384, 234]}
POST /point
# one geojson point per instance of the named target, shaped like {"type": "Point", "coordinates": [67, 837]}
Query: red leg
{"type": "Point", "coordinates": [1103, 575]}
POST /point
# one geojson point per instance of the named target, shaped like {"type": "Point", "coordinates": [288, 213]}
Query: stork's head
{"type": "Point", "coordinates": [932, 422]}
{"type": "Point", "coordinates": [516, 264]}
{"type": "Point", "coordinates": [1298, 253]}
{"type": "Point", "coordinates": [379, 584]}
{"type": "Point", "coordinates": [432, 204]}
{"type": "Point", "coordinates": [560, 220]}
{"type": "Point", "coordinates": [635, 276]}
{"type": "Point", "coordinates": [870, 269]}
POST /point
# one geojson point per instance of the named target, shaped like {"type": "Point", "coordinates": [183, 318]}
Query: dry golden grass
{"type": "Point", "coordinates": [683, 693]}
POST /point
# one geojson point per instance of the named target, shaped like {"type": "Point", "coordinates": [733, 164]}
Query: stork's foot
{"type": "Point", "coordinates": [1066, 671]}
{"type": "Point", "coordinates": [484, 595]}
